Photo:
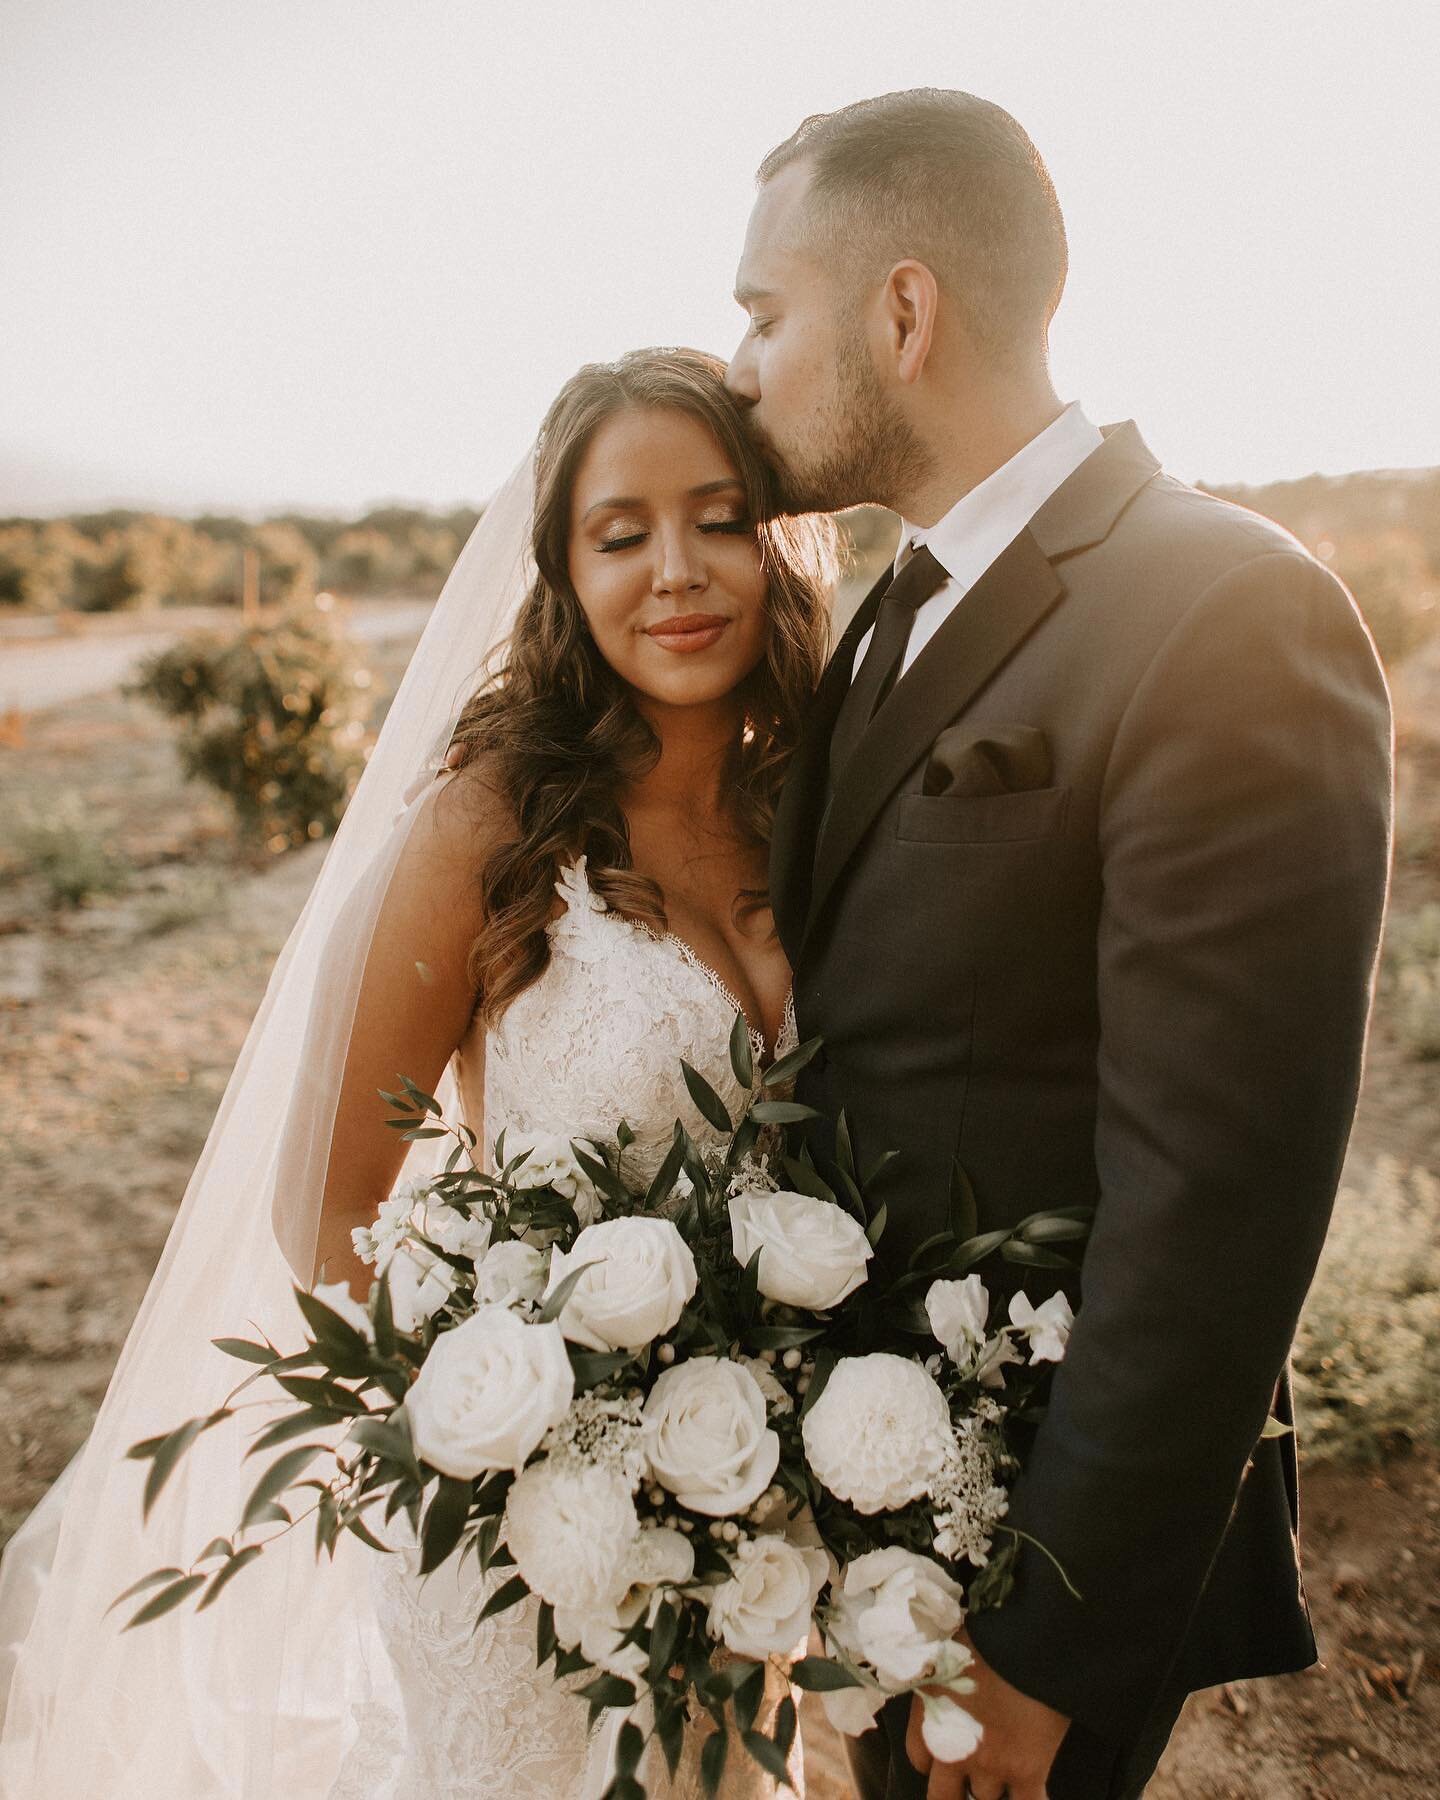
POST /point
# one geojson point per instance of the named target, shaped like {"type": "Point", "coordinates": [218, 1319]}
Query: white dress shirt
{"type": "Point", "coordinates": [981, 523]}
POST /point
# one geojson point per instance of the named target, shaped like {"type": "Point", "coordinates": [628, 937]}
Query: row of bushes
{"type": "Point", "coordinates": [114, 561]}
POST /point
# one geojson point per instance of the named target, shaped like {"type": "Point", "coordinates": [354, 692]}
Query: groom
{"type": "Point", "coordinates": [1081, 866]}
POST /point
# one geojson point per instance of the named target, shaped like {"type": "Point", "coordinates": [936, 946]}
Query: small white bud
{"type": "Point", "coordinates": [665, 1353]}
{"type": "Point", "coordinates": [729, 1530]}
{"type": "Point", "coordinates": [802, 1386]}
{"type": "Point", "coordinates": [791, 1358]}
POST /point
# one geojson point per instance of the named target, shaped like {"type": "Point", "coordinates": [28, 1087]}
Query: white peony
{"type": "Point", "coordinates": [706, 1438]}
{"type": "Point", "coordinates": [453, 1230]}
{"type": "Point", "coordinates": [420, 1284]}
{"type": "Point", "coordinates": [903, 1611]}
{"type": "Point", "coordinates": [488, 1392]}
{"type": "Point", "coordinates": [510, 1273]}
{"type": "Point", "coordinates": [570, 1527]}
{"type": "Point", "coordinates": [643, 1276]}
{"type": "Point", "coordinates": [1047, 1327]}
{"type": "Point", "coordinates": [957, 1311]}
{"type": "Point", "coordinates": [551, 1162]}
{"type": "Point", "coordinates": [765, 1605]}
{"type": "Point", "coordinates": [337, 1296]}
{"type": "Point", "coordinates": [812, 1252]}
{"type": "Point", "coordinates": [879, 1433]}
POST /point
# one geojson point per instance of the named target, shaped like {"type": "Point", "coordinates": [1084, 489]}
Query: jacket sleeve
{"type": "Point", "coordinates": [1244, 838]}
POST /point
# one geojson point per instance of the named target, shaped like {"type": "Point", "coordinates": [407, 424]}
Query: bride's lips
{"type": "Point", "coordinates": [688, 631]}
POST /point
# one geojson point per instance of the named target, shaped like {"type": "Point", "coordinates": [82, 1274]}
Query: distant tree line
{"type": "Point", "coordinates": [111, 561]}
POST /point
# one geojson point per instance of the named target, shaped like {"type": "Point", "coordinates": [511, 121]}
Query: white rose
{"type": "Point", "coordinates": [957, 1311]}
{"type": "Point", "coordinates": [643, 1276]}
{"type": "Point", "coordinates": [766, 1603]}
{"type": "Point", "coordinates": [1047, 1327]}
{"type": "Point", "coordinates": [488, 1392]}
{"type": "Point", "coordinates": [337, 1296]}
{"type": "Point", "coordinates": [570, 1527]}
{"type": "Point", "coordinates": [510, 1273]}
{"type": "Point", "coordinates": [420, 1284]}
{"type": "Point", "coordinates": [705, 1436]}
{"type": "Point", "coordinates": [550, 1161]}
{"type": "Point", "coordinates": [812, 1252]}
{"type": "Point", "coordinates": [453, 1230]}
{"type": "Point", "coordinates": [879, 1434]}
{"type": "Point", "coordinates": [904, 1611]}
{"type": "Point", "coordinates": [658, 1560]}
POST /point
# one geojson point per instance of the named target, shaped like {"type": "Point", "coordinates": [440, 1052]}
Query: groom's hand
{"type": "Point", "coordinates": [1013, 1757]}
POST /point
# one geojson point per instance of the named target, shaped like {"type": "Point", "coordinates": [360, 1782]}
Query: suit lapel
{"type": "Point", "coordinates": [802, 798]}
{"type": "Point", "coordinates": [985, 629]}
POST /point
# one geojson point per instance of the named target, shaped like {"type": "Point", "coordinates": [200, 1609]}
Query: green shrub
{"type": "Point", "coordinates": [68, 852]}
{"type": "Point", "coordinates": [1367, 1357]}
{"type": "Point", "coordinates": [273, 717]}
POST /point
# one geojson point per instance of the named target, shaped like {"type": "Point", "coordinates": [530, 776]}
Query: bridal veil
{"type": "Point", "coordinates": [250, 1699]}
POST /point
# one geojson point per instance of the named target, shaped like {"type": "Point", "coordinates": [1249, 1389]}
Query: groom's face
{"type": "Point", "coordinates": [804, 370]}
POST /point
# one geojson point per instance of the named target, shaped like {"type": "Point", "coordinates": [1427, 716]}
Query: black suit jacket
{"type": "Point", "coordinates": [1095, 906]}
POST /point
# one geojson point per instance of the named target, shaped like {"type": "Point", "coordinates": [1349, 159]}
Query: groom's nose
{"type": "Point", "coordinates": [740, 376]}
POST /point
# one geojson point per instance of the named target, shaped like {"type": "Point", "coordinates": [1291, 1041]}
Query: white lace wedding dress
{"type": "Point", "coordinates": [598, 1038]}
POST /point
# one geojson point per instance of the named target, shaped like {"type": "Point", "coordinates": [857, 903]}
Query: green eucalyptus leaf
{"type": "Point", "coordinates": [144, 1583]}
{"type": "Point", "coordinates": [976, 1249]}
{"type": "Point", "coordinates": [245, 1351]}
{"type": "Point", "coordinates": [742, 1058]}
{"type": "Point", "coordinates": [509, 1593]}
{"type": "Point", "coordinates": [608, 1690]}
{"type": "Point", "coordinates": [223, 1577]}
{"type": "Point", "coordinates": [278, 1477]}
{"type": "Point", "coordinates": [169, 1451]}
{"type": "Point", "coordinates": [712, 1761]}
{"type": "Point", "coordinates": [444, 1522]}
{"type": "Point", "coordinates": [781, 1112]}
{"type": "Point", "coordinates": [707, 1102]}
{"type": "Point", "coordinates": [662, 1186]}
{"type": "Point", "coordinates": [786, 1068]}
{"type": "Point", "coordinates": [818, 1675]}
{"type": "Point", "coordinates": [561, 1292]}
{"type": "Point", "coordinates": [964, 1208]}
{"type": "Point", "coordinates": [875, 1229]}
{"type": "Point", "coordinates": [1033, 1256]}
{"type": "Point", "coordinates": [749, 1692]}
{"type": "Point", "coordinates": [389, 1438]}
{"type": "Point", "coordinates": [167, 1599]}
{"type": "Point", "coordinates": [1045, 1230]}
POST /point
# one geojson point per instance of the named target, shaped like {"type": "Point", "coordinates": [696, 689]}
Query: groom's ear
{"type": "Point", "coordinates": [911, 301]}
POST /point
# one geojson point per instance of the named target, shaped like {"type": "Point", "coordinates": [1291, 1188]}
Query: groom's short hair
{"type": "Point", "coordinates": [948, 179]}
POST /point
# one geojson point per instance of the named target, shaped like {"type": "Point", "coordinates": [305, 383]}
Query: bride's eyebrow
{"type": "Point", "coordinates": [628, 502]}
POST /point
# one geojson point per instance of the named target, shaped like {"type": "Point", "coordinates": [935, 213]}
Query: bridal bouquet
{"type": "Point", "coordinates": [657, 1407]}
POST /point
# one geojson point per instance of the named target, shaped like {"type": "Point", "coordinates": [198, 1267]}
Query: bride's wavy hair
{"type": "Point", "coordinates": [554, 733]}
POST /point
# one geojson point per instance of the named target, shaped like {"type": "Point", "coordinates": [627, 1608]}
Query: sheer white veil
{"type": "Point", "coordinates": [251, 1699]}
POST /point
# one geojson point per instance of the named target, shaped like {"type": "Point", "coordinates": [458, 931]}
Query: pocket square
{"type": "Point", "coordinates": [1007, 759]}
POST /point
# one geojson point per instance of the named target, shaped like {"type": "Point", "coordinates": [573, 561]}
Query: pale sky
{"type": "Point", "coordinates": [321, 253]}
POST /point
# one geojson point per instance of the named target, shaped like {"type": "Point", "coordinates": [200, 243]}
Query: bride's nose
{"type": "Point", "coordinates": [679, 567]}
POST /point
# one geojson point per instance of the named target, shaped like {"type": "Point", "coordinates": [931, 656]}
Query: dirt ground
{"type": "Point", "coordinates": [119, 1023]}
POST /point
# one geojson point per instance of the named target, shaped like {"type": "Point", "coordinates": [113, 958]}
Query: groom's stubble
{"type": "Point", "coordinates": [857, 447]}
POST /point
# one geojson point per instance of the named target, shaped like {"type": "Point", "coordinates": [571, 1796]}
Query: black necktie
{"type": "Point", "coordinates": [910, 589]}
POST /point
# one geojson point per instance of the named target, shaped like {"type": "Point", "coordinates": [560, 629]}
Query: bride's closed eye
{"type": "Point", "coordinates": [732, 527]}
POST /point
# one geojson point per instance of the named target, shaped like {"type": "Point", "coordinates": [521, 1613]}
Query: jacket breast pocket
{"type": "Point", "coordinates": [982, 818]}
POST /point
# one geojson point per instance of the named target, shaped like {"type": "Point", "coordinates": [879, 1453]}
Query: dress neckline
{"type": "Point", "coordinates": [764, 1054]}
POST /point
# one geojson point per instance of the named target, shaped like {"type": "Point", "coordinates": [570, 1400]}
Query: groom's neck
{"type": "Point", "coordinates": [971, 432]}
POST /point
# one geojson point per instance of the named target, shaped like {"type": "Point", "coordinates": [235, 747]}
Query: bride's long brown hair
{"type": "Point", "coordinates": [555, 735]}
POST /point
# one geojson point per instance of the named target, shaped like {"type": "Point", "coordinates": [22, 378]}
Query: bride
{"type": "Point", "coordinates": [567, 899]}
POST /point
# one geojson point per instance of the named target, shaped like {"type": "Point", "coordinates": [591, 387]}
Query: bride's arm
{"type": "Point", "coordinates": [414, 1006]}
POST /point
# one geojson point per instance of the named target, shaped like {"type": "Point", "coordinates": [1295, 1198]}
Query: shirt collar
{"type": "Point", "coordinates": [1011, 495]}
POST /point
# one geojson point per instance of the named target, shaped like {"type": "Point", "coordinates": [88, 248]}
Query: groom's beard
{"type": "Point", "coordinates": [861, 451]}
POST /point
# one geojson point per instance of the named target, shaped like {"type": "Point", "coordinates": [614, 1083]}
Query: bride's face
{"type": "Point", "coordinates": [664, 558]}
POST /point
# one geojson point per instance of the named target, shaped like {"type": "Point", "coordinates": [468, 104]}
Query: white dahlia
{"type": "Point", "coordinates": [879, 1434]}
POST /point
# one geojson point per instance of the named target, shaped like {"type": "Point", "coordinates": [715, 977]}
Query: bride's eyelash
{"type": "Point", "coordinates": [735, 527]}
